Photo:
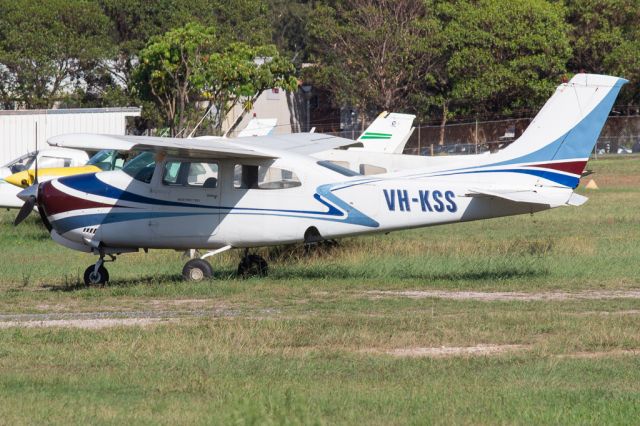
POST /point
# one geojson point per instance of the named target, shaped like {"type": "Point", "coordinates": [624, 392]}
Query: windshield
{"type": "Point", "coordinates": [337, 168]}
{"type": "Point", "coordinates": [141, 168]}
{"type": "Point", "coordinates": [22, 163]}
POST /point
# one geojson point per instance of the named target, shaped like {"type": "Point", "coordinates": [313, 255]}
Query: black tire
{"type": "Point", "coordinates": [197, 270]}
{"type": "Point", "coordinates": [253, 266]}
{"type": "Point", "coordinates": [99, 278]}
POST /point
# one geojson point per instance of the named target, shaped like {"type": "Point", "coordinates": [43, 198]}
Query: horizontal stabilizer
{"type": "Point", "coordinates": [576, 200]}
{"type": "Point", "coordinates": [517, 196]}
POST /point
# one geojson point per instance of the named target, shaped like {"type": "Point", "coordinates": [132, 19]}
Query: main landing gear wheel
{"type": "Point", "coordinates": [93, 277]}
{"type": "Point", "coordinates": [253, 265]}
{"type": "Point", "coordinates": [197, 270]}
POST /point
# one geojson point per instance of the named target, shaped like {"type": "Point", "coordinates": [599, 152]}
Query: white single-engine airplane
{"type": "Point", "coordinates": [261, 191]}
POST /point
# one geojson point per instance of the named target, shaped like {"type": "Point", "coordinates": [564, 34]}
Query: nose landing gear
{"type": "Point", "coordinates": [197, 270]}
{"type": "Point", "coordinates": [97, 274]}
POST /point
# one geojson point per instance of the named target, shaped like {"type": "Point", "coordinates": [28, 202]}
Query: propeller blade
{"type": "Point", "coordinates": [29, 192]}
{"type": "Point", "coordinates": [25, 210]}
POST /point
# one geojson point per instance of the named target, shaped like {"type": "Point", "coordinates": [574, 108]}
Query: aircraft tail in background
{"type": "Point", "coordinates": [388, 133]}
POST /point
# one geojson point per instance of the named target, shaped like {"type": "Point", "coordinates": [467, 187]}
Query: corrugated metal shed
{"type": "Point", "coordinates": [18, 128]}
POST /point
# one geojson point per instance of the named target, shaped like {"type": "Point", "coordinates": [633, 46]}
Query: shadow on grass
{"type": "Point", "coordinates": [315, 273]}
{"type": "Point", "coordinates": [495, 274]}
{"type": "Point", "coordinates": [149, 280]}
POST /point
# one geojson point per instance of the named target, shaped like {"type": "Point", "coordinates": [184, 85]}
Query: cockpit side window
{"type": "Point", "coordinates": [108, 159]}
{"type": "Point", "coordinates": [190, 173]}
{"type": "Point", "coordinates": [141, 168]}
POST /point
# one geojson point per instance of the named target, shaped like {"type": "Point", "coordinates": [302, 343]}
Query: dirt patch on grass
{"type": "Point", "coordinates": [452, 351]}
{"type": "Point", "coordinates": [90, 324]}
{"type": "Point", "coordinates": [508, 296]}
{"type": "Point", "coordinates": [605, 313]}
{"type": "Point", "coordinates": [602, 354]}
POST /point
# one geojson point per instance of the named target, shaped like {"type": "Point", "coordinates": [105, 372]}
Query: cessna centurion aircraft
{"type": "Point", "coordinates": [261, 191]}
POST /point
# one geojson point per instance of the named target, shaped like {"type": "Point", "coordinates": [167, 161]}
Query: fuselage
{"type": "Point", "coordinates": [181, 203]}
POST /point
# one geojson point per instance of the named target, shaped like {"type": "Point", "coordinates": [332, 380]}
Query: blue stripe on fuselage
{"type": "Point", "coordinates": [559, 178]}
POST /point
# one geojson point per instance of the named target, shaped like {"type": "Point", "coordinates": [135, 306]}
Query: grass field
{"type": "Point", "coordinates": [395, 329]}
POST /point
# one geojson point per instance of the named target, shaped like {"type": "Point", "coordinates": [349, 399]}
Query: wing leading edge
{"type": "Point", "coordinates": [261, 147]}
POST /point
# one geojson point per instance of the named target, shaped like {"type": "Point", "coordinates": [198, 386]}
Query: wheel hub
{"type": "Point", "coordinates": [196, 274]}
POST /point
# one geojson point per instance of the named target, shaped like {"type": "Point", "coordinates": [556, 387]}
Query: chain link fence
{"type": "Point", "coordinates": [620, 135]}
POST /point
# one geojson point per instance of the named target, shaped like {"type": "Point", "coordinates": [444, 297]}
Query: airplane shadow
{"type": "Point", "coordinates": [157, 279]}
{"type": "Point", "coordinates": [493, 275]}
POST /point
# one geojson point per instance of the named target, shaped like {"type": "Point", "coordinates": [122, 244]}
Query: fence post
{"type": "Point", "coordinates": [419, 150]}
{"type": "Point", "coordinates": [476, 134]}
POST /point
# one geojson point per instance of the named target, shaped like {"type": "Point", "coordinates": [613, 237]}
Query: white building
{"type": "Point", "coordinates": [271, 104]}
{"type": "Point", "coordinates": [18, 128]}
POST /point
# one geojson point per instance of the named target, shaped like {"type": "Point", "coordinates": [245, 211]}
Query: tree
{"type": "Point", "coordinates": [504, 56]}
{"type": "Point", "coordinates": [290, 27]}
{"type": "Point", "coordinates": [46, 49]}
{"type": "Point", "coordinates": [373, 53]}
{"type": "Point", "coordinates": [192, 63]}
{"type": "Point", "coordinates": [135, 22]}
{"type": "Point", "coordinates": [606, 39]}
{"type": "Point", "coordinates": [240, 73]}
{"type": "Point", "coordinates": [168, 67]}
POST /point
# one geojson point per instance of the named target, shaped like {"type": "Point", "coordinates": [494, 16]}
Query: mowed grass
{"type": "Point", "coordinates": [309, 344]}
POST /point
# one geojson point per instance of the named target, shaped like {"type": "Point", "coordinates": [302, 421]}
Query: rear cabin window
{"type": "Point", "coordinates": [332, 165]}
{"type": "Point", "coordinates": [53, 162]}
{"type": "Point", "coordinates": [370, 169]}
{"type": "Point", "coordinates": [191, 174]}
{"type": "Point", "coordinates": [263, 177]}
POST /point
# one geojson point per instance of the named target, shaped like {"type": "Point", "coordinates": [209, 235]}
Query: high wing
{"type": "Point", "coordinates": [263, 147]}
{"type": "Point", "coordinates": [298, 143]}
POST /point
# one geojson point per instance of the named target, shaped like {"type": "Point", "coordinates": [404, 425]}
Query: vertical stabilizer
{"type": "Point", "coordinates": [388, 133]}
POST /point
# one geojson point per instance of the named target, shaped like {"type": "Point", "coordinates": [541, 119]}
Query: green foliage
{"type": "Point", "coordinates": [371, 54]}
{"type": "Point", "coordinates": [290, 27]}
{"type": "Point", "coordinates": [504, 55]}
{"type": "Point", "coordinates": [193, 63]}
{"type": "Point", "coordinates": [46, 49]}
{"type": "Point", "coordinates": [606, 39]}
{"type": "Point", "coordinates": [441, 59]}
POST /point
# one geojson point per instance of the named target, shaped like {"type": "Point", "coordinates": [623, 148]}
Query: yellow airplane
{"type": "Point", "coordinates": [105, 160]}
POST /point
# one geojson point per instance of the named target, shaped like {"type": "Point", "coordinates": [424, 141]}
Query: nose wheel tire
{"type": "Point", "coordinates": [197, 270]}
{"type": "Point", "coordinates": [253, 265]}
{"type": "Point", "coordinates": [91, 277]}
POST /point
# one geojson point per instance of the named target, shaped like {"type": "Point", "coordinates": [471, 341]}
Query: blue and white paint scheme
{"type": "Point", "coordinates": [301, 198]}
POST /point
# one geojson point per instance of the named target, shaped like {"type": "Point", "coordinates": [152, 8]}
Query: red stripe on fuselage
{"type": "Point", "coordinates": [575, 167]}
{"type": "Point", "coordinates": [54, 201]}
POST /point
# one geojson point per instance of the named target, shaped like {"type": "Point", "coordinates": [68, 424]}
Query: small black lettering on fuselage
{"type": "Point", "coordinates": [427, 200]}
